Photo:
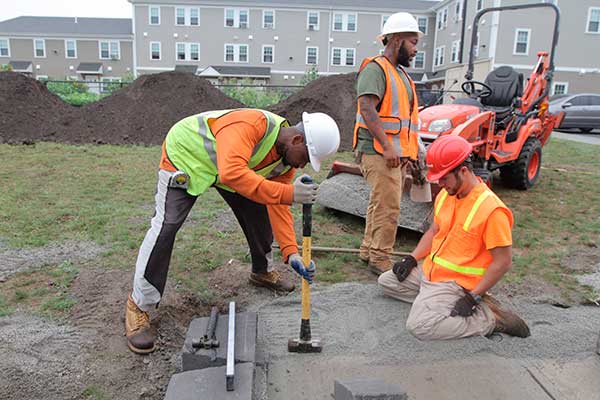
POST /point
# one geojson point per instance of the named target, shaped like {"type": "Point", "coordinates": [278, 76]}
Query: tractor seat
{"type": "Point", "coordinates": [506, 85]}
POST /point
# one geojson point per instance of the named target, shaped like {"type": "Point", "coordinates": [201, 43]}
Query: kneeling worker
{"type": "Point", "coordinates": [250, 157]}
{"type": "Point", "coordinates": [467, 249]}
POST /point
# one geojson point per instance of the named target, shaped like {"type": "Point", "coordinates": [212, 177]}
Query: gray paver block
{"type": "Point", "coordinates": [245, 342]}
{"type": "Point", "coordinates": [209, 384]}
{"type": "Point", "coordinates": [371, 389]}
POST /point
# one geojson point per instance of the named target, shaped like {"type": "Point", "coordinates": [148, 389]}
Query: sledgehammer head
{"type": "Point", "coordinates": [303, 346]}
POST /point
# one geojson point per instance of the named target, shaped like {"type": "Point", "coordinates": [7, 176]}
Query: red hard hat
{"type": "Point", "coordinates": [446, 153]}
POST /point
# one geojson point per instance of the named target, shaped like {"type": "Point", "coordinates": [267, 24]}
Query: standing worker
{"type": "Point", "coordinates": [467, 250]}
{"type": "Point", "coordinates": [385, 134]}
{"type": "Point", "coordinates": [250, 157]}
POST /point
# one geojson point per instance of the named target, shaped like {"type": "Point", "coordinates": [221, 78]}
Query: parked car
{"type": "Point", "coordinates": [582, 111]}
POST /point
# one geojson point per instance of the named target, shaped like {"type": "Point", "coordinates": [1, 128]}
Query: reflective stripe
{"type": "Point", "coordinates": [270, 126]}
{"type": "Point", "coordinates": [439, 206]}
{"type": "Point", "coordinates": [474, 209]}
{"type": "Point", "coordinates": [209, 146]}
{"type": "Point", "coordinates": [457, 268]}
{"type": "Point", "coordinates": [278, 170]}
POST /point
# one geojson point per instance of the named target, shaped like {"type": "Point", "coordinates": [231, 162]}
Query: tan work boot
{"type": "Point", "coordinates": [272, 280]}
{"type": "Point", "coordinates": [140, 335]}
{"type": "Point", "coordinates": [506, 321]}
{"type": "Point", "coordinates": [379, 267]}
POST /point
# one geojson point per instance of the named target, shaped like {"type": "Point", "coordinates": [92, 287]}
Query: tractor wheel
{"type": "Point", "coordinates": [585, 130]}
{"type": "Point", "coordinates": [524, 171]}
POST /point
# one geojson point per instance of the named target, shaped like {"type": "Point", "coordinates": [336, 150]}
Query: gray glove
{"type": "Point", "coordinates": [304, 193]}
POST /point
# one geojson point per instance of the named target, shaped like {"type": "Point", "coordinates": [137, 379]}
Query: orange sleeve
{"type": "Point", "coordinates": [498, 232]}
{"type": "Point", "coordinates": [282, 222]}
{"type": "Point", "coordinates": [236, 137]}
{"type": "Point", "coordinates": [165, 163]}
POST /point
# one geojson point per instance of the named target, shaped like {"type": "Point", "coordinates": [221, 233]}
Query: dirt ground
{"type": "Point", "coordinates": [85, 356]}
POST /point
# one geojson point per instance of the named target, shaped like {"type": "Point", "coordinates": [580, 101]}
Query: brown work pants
{"type": "Point", "coordinates": [429, 317]}
{"type": "Point", "coordinates": [384, 208]}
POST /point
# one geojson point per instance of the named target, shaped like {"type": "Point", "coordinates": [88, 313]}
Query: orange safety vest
{"type": "Point", "coordinates": [400, 119]}
{"type": "Point", "coordinates": [458, 252]}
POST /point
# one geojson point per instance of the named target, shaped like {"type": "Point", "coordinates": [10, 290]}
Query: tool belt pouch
{"type": "Point", "coordinates": [179, 180]}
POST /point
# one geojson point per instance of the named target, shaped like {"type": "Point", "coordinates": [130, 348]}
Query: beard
{"type": "Point", "coordinates": [403, 56]}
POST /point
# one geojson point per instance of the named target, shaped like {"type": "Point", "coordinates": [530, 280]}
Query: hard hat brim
{"type": "Point", "coordinates": [382, 35]}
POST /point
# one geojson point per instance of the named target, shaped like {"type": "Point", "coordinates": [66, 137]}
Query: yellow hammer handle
{"type": "Point", "coordinates": [306, 256]}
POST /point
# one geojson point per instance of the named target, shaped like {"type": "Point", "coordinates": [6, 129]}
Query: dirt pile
{"type": "Point", "coordinates": [333, 95]}
{"type": "Point", "coordinates": [28, 111]}
{"type": "Point", "coordinates": [143, 112]}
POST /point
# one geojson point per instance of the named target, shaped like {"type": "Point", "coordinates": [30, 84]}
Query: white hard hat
{"type": "Point", "coordinates": [322, 137]}
{"type": "Point", "coordinates": [400, 22]}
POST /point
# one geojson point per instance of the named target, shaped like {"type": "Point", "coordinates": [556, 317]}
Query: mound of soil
{"type": "Point", "coordinates": [334, 95]}
{"type": "Point", "coordinates": [28, 111]}
{"type": "Point", "coordinates": [143, 112]}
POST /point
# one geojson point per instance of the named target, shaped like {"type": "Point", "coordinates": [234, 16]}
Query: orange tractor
{"type": "Point", "coordinates": [506, 124]}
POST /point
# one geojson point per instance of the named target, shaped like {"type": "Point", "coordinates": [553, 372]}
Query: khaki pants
{"type": "Point", "coordinates": [429, 317]}
{"type": "Point", "coordinates": [384, 207]}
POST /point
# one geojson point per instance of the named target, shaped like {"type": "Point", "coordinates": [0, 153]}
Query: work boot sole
{"type": "Point", "coordinates": [140, 351]}
{"type": "Point", "coordinates": [271, 286]}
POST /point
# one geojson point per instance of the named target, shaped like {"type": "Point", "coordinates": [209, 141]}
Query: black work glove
{"type": "Point", "coordinates": [465, 306]}
{"type": "Point", "coordinates": [403, 267]}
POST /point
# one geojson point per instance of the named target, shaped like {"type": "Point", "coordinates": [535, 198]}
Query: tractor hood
{"type": "Point", "coordinates": [436, 120]}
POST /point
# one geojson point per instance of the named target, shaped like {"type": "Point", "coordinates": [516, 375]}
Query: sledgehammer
{"type": "Point", "coordinates": [305, 344]}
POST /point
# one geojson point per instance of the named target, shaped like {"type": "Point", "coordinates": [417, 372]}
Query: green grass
{"type": "Point", "coordinates": [5, 309]}
{"type": "Point", "coordinates": [93, 392]}
{"type": "Point", "coordinates": [105, 194]}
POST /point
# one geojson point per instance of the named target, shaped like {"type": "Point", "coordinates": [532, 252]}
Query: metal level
{"type": "Point", "coordinates": [229, 374]}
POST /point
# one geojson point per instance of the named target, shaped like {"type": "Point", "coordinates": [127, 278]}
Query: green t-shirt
{"type": "Point", "coordinates": [371, 80]}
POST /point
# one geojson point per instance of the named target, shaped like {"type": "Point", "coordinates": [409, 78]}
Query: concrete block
{"type": "Point", "coordinates": [367, 389]}
{"type": "Point", "coordinates": [245, 342]}
{"type": "Point", "coordinates": [209, 384]}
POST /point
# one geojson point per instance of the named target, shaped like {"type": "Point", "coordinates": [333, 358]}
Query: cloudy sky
{"type": "Point", "coordinates": [65, 8]}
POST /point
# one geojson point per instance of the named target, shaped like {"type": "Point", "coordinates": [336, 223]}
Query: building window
{"type": "Point", "coordinates": [343, 57]}
{"type": "Point", "coordinates": [458, 11]}
{"type": "Point", "coordinates": [419, 60]}
{"type": "Point", "coordinates": [312, 20]}
{"type": "Point", "coordinates": [236, 53]}
{"type": "Point", "coordinates": [593, 24]}
{"type": "Point", "coordinates": [439, 56]}
{"type": "Point", "coordinates": [187, 16]}
{"type": "Point", "coordinates": [455, 54]}
{"type": "Point", "coordinates": [560, 88]}
{"type": "Point", "coordinates": [312, 55]}
{"type": "Point", "coordinates": [522, 41]}
{"type": "Point", "coordinates": [70, 49]}
{"type": "Point", "coordinates": [187, 51]}
{"type": "Point", "coordinates": [479, 4]}
{"type": "Point", "coordinates": [344, 22]}
{"type": "Point", "coordinates": [267, 54]}
{"type": "Point", "coordinates": [442, 18]}
{"type": "Point", "coordinates": [108, 84]}
{"type": "Point", "coordinates": [4, 48]}
{"type": "Point", "coordinates": [110, 50]}
{"type": "Point", "coordinates": [268, 19]}
{"type": "Point", "coordinates": [39, 48]}
{"type": "Point", "coordinates": [194, 16]}
{"type": "Point", "coordinates": [154, 15]}
{"type": "Point", "coordinates": [236, 18]}
{"type": "Point", "coordinates": [422, 21]}
{"type": "Point", "coordinates": [155, 50]}
{"type": "Point", "coordinates": [179, 16]}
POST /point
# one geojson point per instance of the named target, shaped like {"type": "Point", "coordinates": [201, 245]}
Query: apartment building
{"type": "Point", "coordinates": [514, 38]}
{"type": "Point", "coordinates": [92, 49]}
{"type": "Point", "coordinates": [275, 42]}
{"type": "Point", "coordinates": [268, 40]}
